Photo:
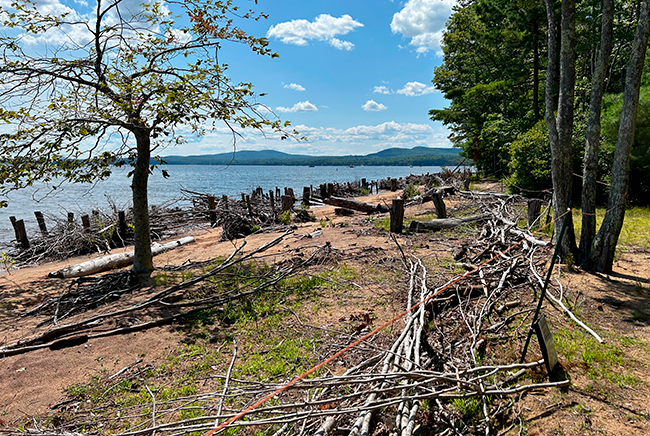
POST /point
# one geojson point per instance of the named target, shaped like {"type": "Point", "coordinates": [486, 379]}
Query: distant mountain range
{"type": "Point", "coordinates": [420, 156]}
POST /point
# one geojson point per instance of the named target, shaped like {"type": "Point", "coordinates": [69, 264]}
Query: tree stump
{"type": "Point", "coordinates": [330, 189]}
{"type": "Point", "coordinates": [224, 200]}
{"type": "Point", "coordinates": [287, 203]}
{"type": "Point", "coordinates": [441, 209]}
{"type": "Point", "coordinates": [397, 215]}
{"type": "Point", "coordinates": [306, 193]}
{"type": "Point", "coordinates": [212, 210]}
{"type": "Point", "coordinates": [248, 205]}
{"type": "Point", "coordinates": [85, 222]}
{"type": "Point", "coordinates": [393, 185]}
{"type": "Point", "coordinates": [70, 217]}
{"type": "Point", "coordinates": [534, 210]}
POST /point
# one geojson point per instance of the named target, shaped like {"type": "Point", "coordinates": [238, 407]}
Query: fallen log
{"type": "Point", "coordinates": [356, 205]}
{"type": "Point", "coordinates": [112, 261]}
{"type": "Point", "coordinates": [447, 223]}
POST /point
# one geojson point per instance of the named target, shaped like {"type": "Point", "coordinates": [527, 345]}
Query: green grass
{"type": "Point", "coordinates": [636, 226]}
{"type": "Point", "coordinates": [607, 361]}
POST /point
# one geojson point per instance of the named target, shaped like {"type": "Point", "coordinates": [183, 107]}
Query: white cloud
{"type": "Point", "coordinates": [423, 21]}
{"type": "Point", "coordinates": [373, 106]}
{"type": "Point", "coordinates": [301, 106]}
{"type": "Point", "coordinates": [341, 45]}
{"type": "Point", "coordinates": [414, 89]}
{"type": "Point", "coordinates": [324, 28]}
{"type": "Point", "coordinates": [381, 90]}
{"type": "Point", "coordinates": [295, 87]}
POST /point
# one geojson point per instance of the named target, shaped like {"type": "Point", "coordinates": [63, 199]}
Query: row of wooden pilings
{"type": "Point", "coordinates": [286, 202]}
{"type": "Point", "coordinates": [23, 240]}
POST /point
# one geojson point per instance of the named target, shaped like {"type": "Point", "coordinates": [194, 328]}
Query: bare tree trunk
{"type": "Point", "coordinates": [561, 127]}
{"type": "Point", "coordinates": [143, 259]}
{"type": "Point", "coordinates": [604, 246]}
{"type": "Point", "coordinates": [536, 71]}
{"type": "Point", "coordinates": [590, 162]}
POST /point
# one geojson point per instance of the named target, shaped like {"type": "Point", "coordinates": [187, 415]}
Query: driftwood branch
{"type": "Point", "coordinates": [446, 223]}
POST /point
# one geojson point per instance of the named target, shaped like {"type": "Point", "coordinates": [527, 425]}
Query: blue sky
{"type": "Point", "coordinates": [353, 76]}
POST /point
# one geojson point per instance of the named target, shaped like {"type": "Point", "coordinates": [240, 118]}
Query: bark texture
{"type": "Point", "coordinates": [561, 127]}
{"type": "Point", "coordinates": [590, 162]}
{"type": "Point", "coordinates": [601, 257]}
{"type": "Point", "coordinates": [143, 258]}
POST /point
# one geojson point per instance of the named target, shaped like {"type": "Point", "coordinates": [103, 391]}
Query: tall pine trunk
{"type": "Point", "coordinates": [590, 162]}
{"type": "Point", "coordinates": [143, 259]}
{"type": "Point", "coordinates": [561, 126]}
{"type": "Point", "coordinates": [601, 257]}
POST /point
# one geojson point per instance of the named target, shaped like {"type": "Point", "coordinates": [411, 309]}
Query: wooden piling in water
{"type": "Point", "coordinates": [16, 231]}
{"type": "Point", "coordinates": [41, 222]}
{"type": "Point", "coordinates": [22, 234]}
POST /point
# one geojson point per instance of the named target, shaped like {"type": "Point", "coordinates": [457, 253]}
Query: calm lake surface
{"type": "Point", "coordinates": [217, 180]}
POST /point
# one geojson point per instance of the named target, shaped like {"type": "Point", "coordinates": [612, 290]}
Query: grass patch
{"type": "Point", "coordinates": [636, 226]}
{"type": "Point", "coordinates": [606, 361]}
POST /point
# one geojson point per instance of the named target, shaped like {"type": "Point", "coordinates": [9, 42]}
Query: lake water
{"type": "Point", "coordinates": [217, 180]}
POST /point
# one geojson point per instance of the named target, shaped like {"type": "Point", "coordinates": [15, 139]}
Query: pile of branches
{"type": "Point", "coordinates": [452, 369]}
{"type": "Point", "coordinates": [66, 239]}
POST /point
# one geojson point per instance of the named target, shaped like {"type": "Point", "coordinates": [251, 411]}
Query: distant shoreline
{"type": "Point", "coordinates": [417, 156]}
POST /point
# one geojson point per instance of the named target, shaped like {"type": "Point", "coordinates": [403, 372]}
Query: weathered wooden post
{"type": "Point", "coordinates": [287, 203]}
{"type": "Point", "coordinates": [70, 217]}
{"type": "Point", "coordinates": [441, 209]}
{"type": "Point", "coordinates": [224, 199]}
{"type": "Point", "coordinates": [212, 210]}
{"type": "Point", "coordinates": [272, 200]}
{"type": "Point", "coordinates": [397, 215]}
{"type": "Point", "coordinates": [306, 193]}
{"type": "Point", "coordinates": [248, 205]}
{"type": "Point", "coordinates": [85, 222]}
{"type": "Point", "coordinates": [534, 210]}
{"type": "Point", "coordinates": [286, 191]}
{"type": "Point", "coordinates": [323, 191]}
{"type": "Point", "coordinates": [41, 222]}
{"type": "Point", "coordinates": [364, 184]}
{"type": "Point", "coordinates": [277, 192]}
{"type": "Point", "coordinates": [393, 185]}
{"type": "Point", "coordinates": [22, 234]}
{"type": "Point", "coordinates": [13, 224]}
{"type": "Point", "coordinates": [243, 198]}
{"type": "Point", "coordinates": [290, 193]}
{"type": "Point", "coordinates": [330, 189]}
{"type": "Point", "coordinates": [121, 227]}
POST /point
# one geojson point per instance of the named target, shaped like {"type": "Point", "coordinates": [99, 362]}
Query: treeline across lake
{"type": "Point", "coordinates": [418, 156]}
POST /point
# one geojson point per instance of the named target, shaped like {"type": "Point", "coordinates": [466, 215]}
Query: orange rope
{"type": "Point", "coordinates": [363, 338]}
